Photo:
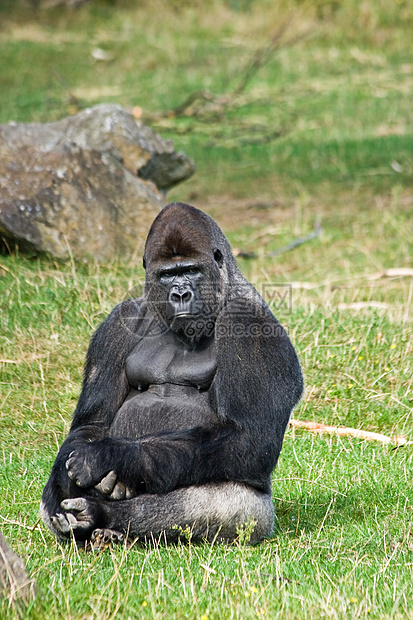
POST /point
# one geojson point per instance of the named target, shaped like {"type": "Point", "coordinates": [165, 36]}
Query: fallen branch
{"type": "Point", "coordinates": [264, 54]}
{"type": "Point", "coordinates": [362, 305]}
{"type": "Point", "coordinates": [345, 431]}
{"type": "Point", "coordinates": [186, 108]}
{"type": "Point", "coordinates": [395, 272]}
{"type": "Point", "coordinates": [299, 241]}
{"type": "Point", "coordinates": [198, 104]}
{"type": "Point", "coordinates": [295, 243]}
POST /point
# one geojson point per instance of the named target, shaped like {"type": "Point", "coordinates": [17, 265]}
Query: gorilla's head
{"type": "Point", "coordinates": [186, 260]}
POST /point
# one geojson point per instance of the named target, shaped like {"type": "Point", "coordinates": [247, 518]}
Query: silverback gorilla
{"type": "Point", "coordinates": [186, 396]}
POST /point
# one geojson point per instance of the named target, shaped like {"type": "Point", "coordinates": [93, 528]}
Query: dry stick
{"type": "Point", "coordinates": [261, 57]}
{"type": "Point", "coordinates": [190, 100]}
{"type": "Point", "coordinates": [395, 272]}
{"type": "Point", "coordinates": [290, 246]}
{"type": "Point", "coordinates": [299, 241]}
{"type": "Point", "coordinates": [315, 427]}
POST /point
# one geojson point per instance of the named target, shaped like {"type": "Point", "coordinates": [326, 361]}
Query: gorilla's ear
{"type": "Point", "coordinates": [144, 262]}
{"type": "Point", "coordinates": [219, 259]}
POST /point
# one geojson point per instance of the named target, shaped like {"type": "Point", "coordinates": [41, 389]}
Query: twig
{"type": "Point", "coordinates": [186, 108]}
{"type": "Point", "coordinates": [261, 57]}
{"type": "Point", "coordinates": [395, 272]}
{"type": "Point", "coordinates": [182, 108]}
{"type": "Point", "coordinates": [26, 527]}
{"type": "Point", "coordinates": [402, 272]}
{"type": "Point", "coordinates": [361, 305]}
{"type": "Point", "coordinates": [315, 427]}
{"type": "Point", "coordinates": [299, 241]}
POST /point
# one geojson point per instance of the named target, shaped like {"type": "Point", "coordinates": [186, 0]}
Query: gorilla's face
{"type": "Point", "coordinates": [186, 275]}
{"type": "Point", "coordinates": [181, 281]}
{"type": "Point", "coordinates": [185, 294]}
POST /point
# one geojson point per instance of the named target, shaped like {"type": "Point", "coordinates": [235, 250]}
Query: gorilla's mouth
{"type": "Point", "coordinates": [182, 319]}
{"type": "Point", "coordinates": [184, 314]}
{"type": "Point", "coordinates": [190, 316]}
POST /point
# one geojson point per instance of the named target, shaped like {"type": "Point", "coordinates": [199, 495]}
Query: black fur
{"type": "Point", "coordinates": [189, 388]}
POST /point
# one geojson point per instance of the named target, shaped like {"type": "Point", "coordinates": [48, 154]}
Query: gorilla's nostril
{"type": "Point", "coordinates": [179, 298]}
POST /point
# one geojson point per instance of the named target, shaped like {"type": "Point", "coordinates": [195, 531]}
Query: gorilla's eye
{"type": "Point", "coordinates": [166, 276]}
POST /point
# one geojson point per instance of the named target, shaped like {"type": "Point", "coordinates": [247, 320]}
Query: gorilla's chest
{"type": "Point", "coordinates": [166, 359]}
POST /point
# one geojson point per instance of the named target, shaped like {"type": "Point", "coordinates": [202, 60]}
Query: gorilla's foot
{"type": "Point", "coordinates": [102, 538]}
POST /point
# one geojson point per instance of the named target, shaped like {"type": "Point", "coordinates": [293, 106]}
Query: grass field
{"type": "Point", "coordinates": [322, 133]}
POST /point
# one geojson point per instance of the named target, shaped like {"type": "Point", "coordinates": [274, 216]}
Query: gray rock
{"type": "Point", "coordinates": [15, 583]}
{"type": "Point", "coordinates": [88, 185]}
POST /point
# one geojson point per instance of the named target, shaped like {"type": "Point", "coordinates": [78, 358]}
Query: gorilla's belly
{"type": "Point", "coordinates": [160, 408]}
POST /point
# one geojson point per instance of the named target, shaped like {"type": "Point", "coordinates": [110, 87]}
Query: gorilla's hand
{"type": "Point", "coordinates": [114, 488]}
{"type": "Point", "coordinates": [80, 516]}
{"type": "Point", "coordinates": [87, 465]}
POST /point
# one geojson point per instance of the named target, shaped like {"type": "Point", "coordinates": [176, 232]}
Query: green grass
{"type": "Point", "coordinates": [341, 99]}
{"type": "Point", "coordinates": [332, 554]}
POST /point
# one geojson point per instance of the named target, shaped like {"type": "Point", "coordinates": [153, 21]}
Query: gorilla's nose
{"type": "Point", "coordinates": [180, 296]}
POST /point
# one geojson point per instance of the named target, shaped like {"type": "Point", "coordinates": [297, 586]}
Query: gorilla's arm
{"type": "Point", "coordinates": [104, 389]}
{"type": "Point", "coordinates": [257, 384]}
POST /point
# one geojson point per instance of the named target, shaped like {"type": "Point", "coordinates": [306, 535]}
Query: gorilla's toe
{"type": "Point", "coordinates": [102, 538]}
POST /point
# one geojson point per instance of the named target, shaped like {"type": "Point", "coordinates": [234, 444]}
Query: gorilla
{"type": "Point", "coordinates": [186, 396]}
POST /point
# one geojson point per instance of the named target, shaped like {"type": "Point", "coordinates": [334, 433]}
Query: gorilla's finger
{"type": "Point", "coordinates": [83, 519]}
{"type": "Point", "coordinates": [80, 472]}
{"type": "Point", "coordinates": [129, 493]}
{"type": "Point", "coordinates": [76, 504]}
{"type": "Point", "coordinates": [107, 484]}
{"type": "Point", "coordinates": [60, 523]}
{"type": "Point", "coordinates": [67, 464]}
{"type": "Point", "coordinates": [119, 491]}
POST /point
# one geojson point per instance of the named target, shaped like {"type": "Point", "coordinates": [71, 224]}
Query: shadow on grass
{"type": "Point", "coordinates": [360, 505]}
